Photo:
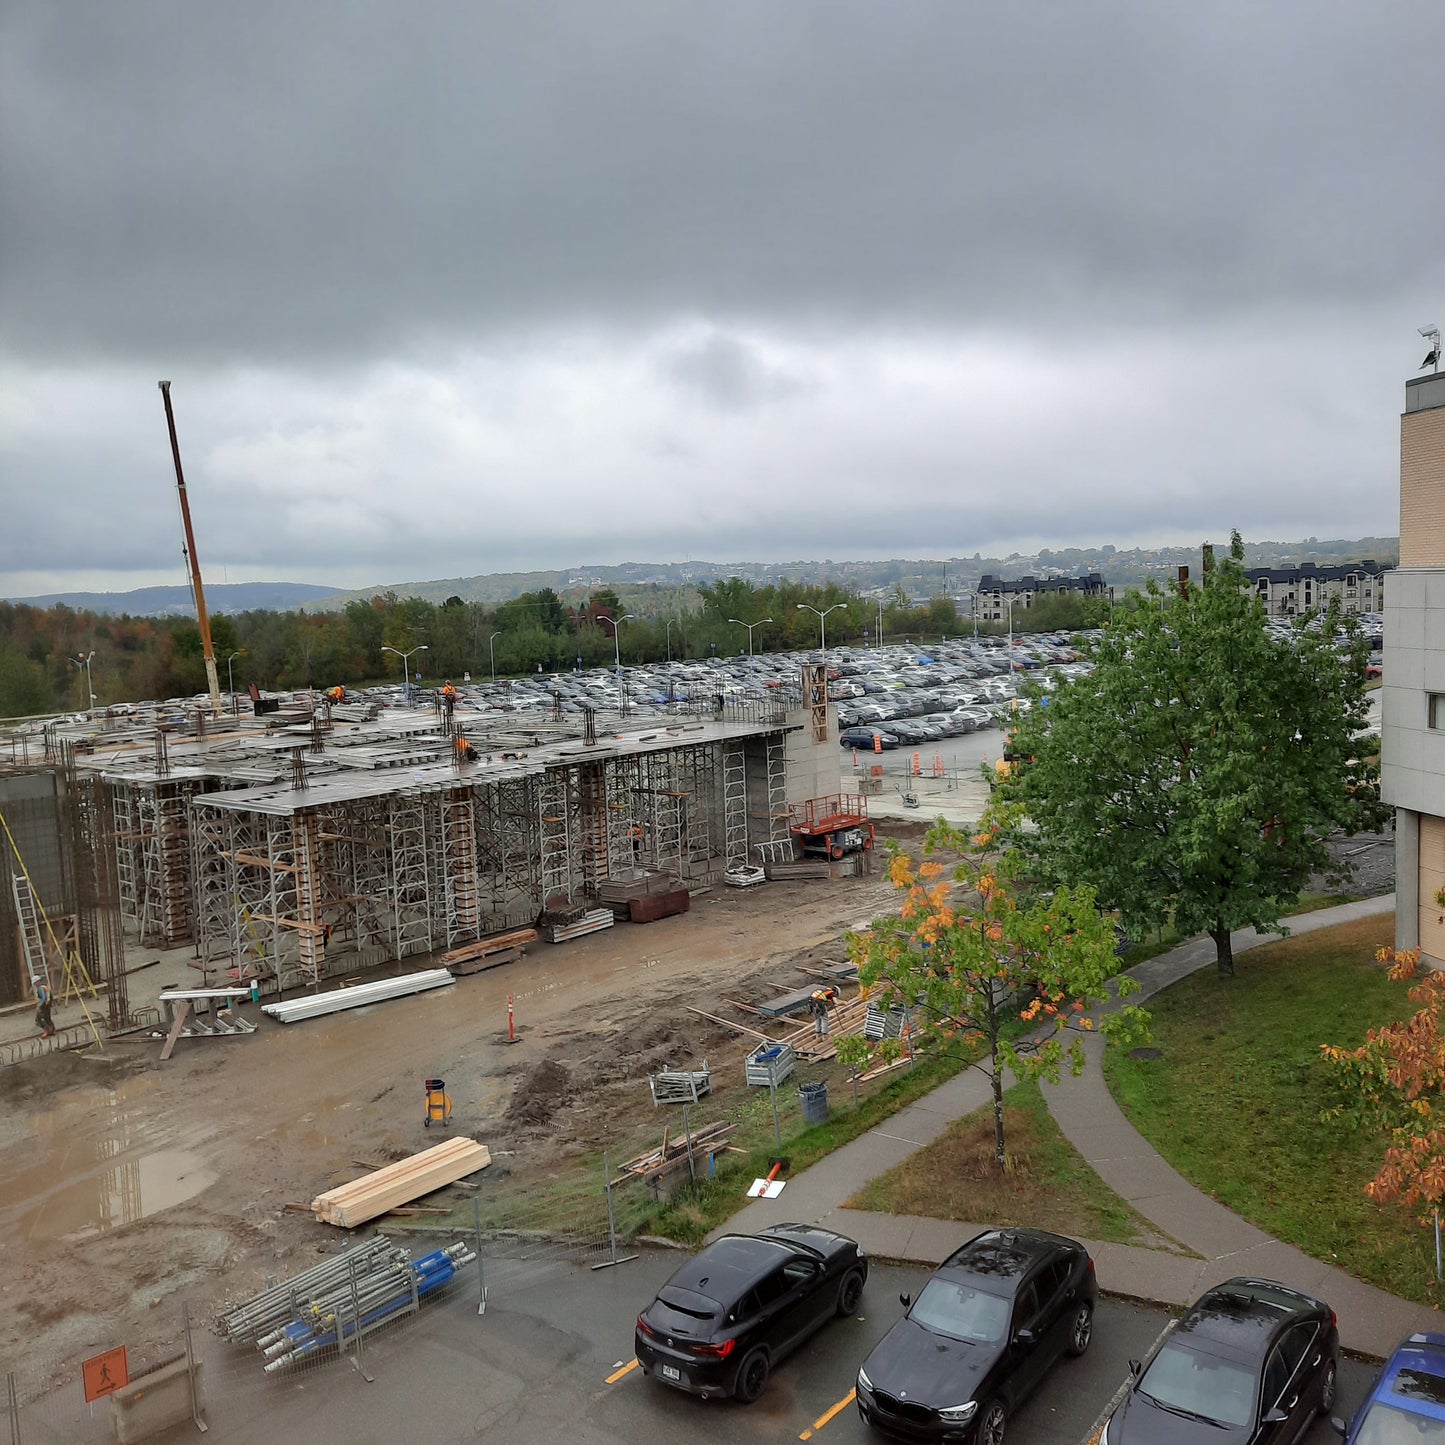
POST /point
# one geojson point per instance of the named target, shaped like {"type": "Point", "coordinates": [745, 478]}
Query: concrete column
{"type": "Point", "coordinates": [1407, 879]}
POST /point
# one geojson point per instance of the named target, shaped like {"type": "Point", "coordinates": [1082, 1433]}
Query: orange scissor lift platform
{"type": "Point", "coordinates": [831, 826]}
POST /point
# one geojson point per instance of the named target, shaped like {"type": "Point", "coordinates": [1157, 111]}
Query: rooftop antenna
{"type": "Point", "coordinates": [203, 620]}
{"type": "Point", "coordinates": [1432, 357]}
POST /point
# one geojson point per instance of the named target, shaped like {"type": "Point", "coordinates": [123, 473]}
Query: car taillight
{"type": "Point", "coordinates": [1333, 1319]}
{"type": "Point", "coordinates": [645, 1328]}
{"type": "Point", "coordinates": [715, 1352]}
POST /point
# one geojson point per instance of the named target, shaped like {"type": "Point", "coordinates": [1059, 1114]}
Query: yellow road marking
{"type": "Point", "coordinates": [824, 1418]}
{"type": "Point", "coordinates": [616, 1375]}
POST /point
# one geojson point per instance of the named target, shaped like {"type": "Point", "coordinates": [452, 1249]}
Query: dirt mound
{"type": "Point", "coordinates": [540, 1094]}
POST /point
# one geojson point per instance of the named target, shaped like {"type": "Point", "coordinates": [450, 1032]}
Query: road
{"type": "Point", "coordinates": [554, 1361]}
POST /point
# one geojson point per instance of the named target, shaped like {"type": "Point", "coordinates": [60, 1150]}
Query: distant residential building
{"type": "Point", "coordinates": [1412, 757]}
{"type": "Point", "coordinates": [1293, 591]}
{"type": "Point", "coordinates": [994, 595]}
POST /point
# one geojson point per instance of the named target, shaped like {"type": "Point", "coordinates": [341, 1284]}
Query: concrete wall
{"type": "Point", "coordinates": [1413, 758]}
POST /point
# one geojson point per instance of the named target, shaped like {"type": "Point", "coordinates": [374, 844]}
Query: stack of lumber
{"type": "Point", "coordinates": [801, 871]}
{"type": "Point", "coordinates": [385, 1189]}
{"type": "Point", "coordinates": [592, 921]}
{"type": "Point", "coordinates": [488, 952]}
{"type": "Point", "coordinates": [656, 1163]}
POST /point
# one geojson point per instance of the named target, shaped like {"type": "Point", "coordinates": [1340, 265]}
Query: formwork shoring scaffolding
{"type": "Point", "coordinates": [153, 857]}
{"type": "Point", "coordinates": [291, 885]}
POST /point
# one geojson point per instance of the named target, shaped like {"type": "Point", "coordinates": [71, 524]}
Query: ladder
{"type": "Point", "coordinates": [31, 940]}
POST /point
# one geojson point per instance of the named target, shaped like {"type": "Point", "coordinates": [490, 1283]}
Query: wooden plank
{"type": "Point", "coordinates": [182, 1014]}
{"type": "Point", "coordinates": [732, 1024]}
{"type": "Point", "coordinates": [349, 1205]}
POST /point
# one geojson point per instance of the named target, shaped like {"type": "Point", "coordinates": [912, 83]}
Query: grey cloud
{"type": "Point", "coordinates": [272, 180]}
{"type": "Point", "coordinates": [728, 373]}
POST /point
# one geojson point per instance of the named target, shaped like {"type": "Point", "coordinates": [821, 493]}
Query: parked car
{"type": "Point", "coordinates": [1407, 1400]}
{"type": "Point", "coordinates": [863, 737]}
{"type": "Point", "coordinates": [730, 1314]}
{"type": "Point", "coordinates": [980, 1336]}
{"type": "Point", "coordinates": [1252, 1357]}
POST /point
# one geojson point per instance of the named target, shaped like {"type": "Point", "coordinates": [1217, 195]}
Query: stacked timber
{"type": "Point", "coordinates": [489, 952]}
{"type": "Point", "coordinates": [385, 1189]}
{"type": "Point", "coordinates": [656, 1164]}
{"type": "Point", "coordinates": [592, 921]}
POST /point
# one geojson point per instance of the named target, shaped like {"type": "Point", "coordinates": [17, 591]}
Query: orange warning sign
{"type": "Point", "coordinates": [105, 1373]}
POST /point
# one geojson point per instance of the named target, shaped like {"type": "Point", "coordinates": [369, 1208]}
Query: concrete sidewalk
{"type": "Point", "coordinates": [1219, 1243]}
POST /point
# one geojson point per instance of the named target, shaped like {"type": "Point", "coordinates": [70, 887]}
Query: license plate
{"type": "Point", "coordinates": [670, 1372]}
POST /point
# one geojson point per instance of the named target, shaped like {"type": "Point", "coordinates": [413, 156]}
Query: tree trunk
{"type": "Point", "coordinates": [1223, 952]}
{"type": "Point", "coordinates": [1000, 1157]}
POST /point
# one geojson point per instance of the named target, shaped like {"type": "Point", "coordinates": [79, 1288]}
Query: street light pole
{"type": "Point", "coordinates": [492, 648]}
{"type": "Point", "coordinates": [617, 648]}
{"type": "Point", "coordinates": [89, 684]}
{"type": "Point", "coordinates": [750, 626]}
{"type": "Point", "coordinates": [822, 619]}
{"type": "Point", "coordinates": [406, 666]}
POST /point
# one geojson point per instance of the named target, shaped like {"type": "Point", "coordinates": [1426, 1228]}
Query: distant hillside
{"type": "Point", "coordinates": [176, 601]}
{"type": "Point", "coordinates": [918, 577]}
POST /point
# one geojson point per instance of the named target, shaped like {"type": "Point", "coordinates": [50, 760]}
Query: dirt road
{"type": "Point", "coordinates": [125, 1182]}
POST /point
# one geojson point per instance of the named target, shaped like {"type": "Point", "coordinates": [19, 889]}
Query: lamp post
{"type": "Point", "coordinates": [406, 666]}
{"type": "Point", "coordinates": [822, 619]}
{"type": "Point", "coordinates": [492, 648]}
{"type": "Point", "coordinates": [89, 685]}
{"type": "Point", "coordinates": [750, 626]}
{"type": "Point", "coordinates": [617, 648]}
{"type": "Point", "coordinates": [230, 682]}
{"type": "Point", "coordinates": [670, 621]}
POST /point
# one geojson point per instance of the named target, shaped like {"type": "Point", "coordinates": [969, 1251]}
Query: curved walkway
{"type": "Point", "coordinates": [1371, 1321]}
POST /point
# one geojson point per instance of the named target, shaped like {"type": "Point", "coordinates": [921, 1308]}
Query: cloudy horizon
{"type": "Point", "coordinates": [537, 287]}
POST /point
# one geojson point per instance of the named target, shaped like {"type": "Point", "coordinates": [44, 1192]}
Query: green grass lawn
{"type": "Point", "coordinates": [1234, 1103]}
{"type": "Point", "coordinates": [1047, 1185]}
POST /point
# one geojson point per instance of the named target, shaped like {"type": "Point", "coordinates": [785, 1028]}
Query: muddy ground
{"type": "Point", "coordinates": [126, 1184]}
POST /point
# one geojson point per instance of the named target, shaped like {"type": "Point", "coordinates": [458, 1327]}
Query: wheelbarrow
{"type": "Point", "coordinates": [438, 1104]}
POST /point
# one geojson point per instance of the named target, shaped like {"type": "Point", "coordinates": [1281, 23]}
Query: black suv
{"type": "Point", "coordinates": [721, 1323]}
{"type": "Point", "coordinates": [1252, 1359]}
{"type": "Point", "coordinates": [981, 1335]}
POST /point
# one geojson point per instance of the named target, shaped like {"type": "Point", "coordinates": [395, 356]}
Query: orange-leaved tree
{"type": "Point", "coordinates": [1396, 1079]}
{"type": "Point", "coordinates": [992, 968]}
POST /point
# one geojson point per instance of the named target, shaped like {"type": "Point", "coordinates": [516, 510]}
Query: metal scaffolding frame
{"type": "Point", "coordinates": [297, 878]}
{"type": "Point", "coordinates": [777, 775]}
{"type": "Point", "coordinates": [735, 805]}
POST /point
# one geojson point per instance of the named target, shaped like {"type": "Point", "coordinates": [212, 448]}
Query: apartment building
{"type": "Point", "coordinates": [994, 596]}
{"type": "Point", "coordinates": [1293, 591]}
{"type": "Point", "coordinates": [1413, 704]}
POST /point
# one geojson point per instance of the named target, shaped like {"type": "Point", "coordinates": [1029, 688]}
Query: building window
{"type": "Point", "coordinates": [1437, 710]}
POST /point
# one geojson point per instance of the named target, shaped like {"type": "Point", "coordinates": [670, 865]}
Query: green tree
{"type": "Point", "coordinates": [978, 952]}
{"type": "Point", "coordinates": [1200, 768]}
{"type": "Point", "coordinates": [24, 690]}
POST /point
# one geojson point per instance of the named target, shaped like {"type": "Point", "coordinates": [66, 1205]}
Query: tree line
{"type": "Point", "coordinates": [43, 651]}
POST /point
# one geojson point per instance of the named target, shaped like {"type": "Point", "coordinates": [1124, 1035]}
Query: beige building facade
{"type": "Point", "coordinates": [1413, 702]}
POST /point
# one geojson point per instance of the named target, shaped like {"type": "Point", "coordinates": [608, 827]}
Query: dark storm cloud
{"type": "Point", "coordinates": [269, 180]}
{"type": "Point", "coordinates": [459, 288]}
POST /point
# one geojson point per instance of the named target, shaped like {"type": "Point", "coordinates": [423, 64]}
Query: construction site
{"type": "Point", "coordinates": [288, 849]}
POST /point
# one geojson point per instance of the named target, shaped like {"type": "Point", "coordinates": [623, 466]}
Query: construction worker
{"type": "Point", "coordinates": [336, 694]}
{"type": "Point", "coordinates": [449, 693]}
{"type": "Point", "coordinates": [818, 1007]}
{"type": "Point", "coordinates": [43, 1021]}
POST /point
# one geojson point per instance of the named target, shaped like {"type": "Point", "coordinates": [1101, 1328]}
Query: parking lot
{"type": "Point", "coordinates": [552, 1359]}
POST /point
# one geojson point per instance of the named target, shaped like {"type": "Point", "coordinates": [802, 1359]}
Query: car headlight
{"type": "Point", "coordinates": [958, 1414]}
{"type": "Point", "coordinates": [864, 1383]}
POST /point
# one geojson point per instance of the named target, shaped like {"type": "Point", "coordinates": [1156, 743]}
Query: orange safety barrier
{"type": "Point", "coordinates": [917, 766]}
{"type": "Point", "coordinates": [938, 765]}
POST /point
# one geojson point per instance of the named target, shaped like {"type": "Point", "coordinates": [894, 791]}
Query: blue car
{"type": "Point", "coordinates": [1407, 1401]}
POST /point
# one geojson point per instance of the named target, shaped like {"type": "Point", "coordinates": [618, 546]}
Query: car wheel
{"type": "Point", "coordinates": [1327, 1390]}
{"type": "Point", "coordinates": [752, 1377]}
{"type": "Point", "coordinates": [850, 1292]}
{"type": "Point", "coordinates": [990, 1427]}
{"type": "Point", "coordinates": [1082, 1330]}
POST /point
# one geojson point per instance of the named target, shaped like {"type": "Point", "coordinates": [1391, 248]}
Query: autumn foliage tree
{"type": "Point", "coordinates": [989, 965]}
{"type": "Point", "coordinates": [1396, 1078]}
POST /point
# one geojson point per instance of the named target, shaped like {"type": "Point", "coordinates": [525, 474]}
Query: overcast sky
{"type": "Point", "coordinates": [465, 287]}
